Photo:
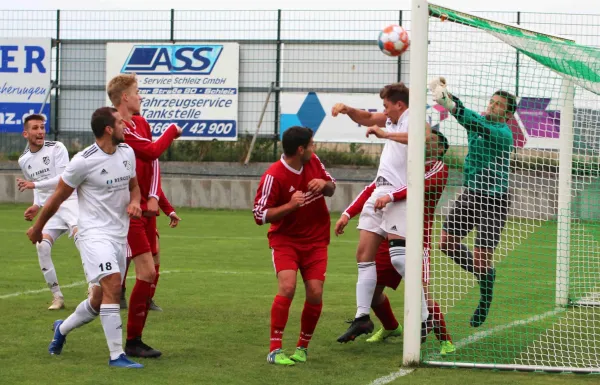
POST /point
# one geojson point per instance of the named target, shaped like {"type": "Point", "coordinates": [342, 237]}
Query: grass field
{"type": "Point", "coordinates": [216, 289]}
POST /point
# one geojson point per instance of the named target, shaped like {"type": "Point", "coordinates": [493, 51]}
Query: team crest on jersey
{"type": "Point", "coordinates": [46, 160]}
{"type": "Point", "coordinates": [127, 165]}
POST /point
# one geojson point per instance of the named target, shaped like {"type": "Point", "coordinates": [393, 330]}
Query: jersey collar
{"type": "Point", "coordinates": [297, 172]}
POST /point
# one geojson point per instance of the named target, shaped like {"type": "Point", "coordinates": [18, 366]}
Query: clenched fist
{"type": "Point", "coordinates": [339, 108]}
{"type": "Point", "coordinates": [297, 199]}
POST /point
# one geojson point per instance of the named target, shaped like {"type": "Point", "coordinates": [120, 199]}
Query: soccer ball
{"type": "Point", "coordinates": [393, 40]}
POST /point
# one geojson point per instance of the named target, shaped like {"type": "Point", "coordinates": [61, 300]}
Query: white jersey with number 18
{"type": "Point", "coordinates": [102, 182]}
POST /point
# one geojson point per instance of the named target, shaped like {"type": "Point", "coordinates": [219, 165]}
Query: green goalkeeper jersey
{"type": "Point", "coordinates": [487, 165]}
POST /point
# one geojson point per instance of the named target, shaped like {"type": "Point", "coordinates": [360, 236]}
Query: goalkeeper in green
{"type": "Point", "coordinates": [484, 201]}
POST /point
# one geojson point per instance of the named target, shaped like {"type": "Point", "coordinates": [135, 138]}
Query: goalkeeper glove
{"type": "Point", "coordinates": [440, 94]}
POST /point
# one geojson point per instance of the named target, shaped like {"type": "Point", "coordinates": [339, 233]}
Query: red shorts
{"type": "Point", "coordinates": [310, 260]}
{"type": "Point", "coordinates": [387, 275]}
{"type": "Point", "coordinates": [142, 236]}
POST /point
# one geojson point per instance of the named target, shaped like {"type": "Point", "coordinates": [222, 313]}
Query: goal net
{"type": "Point", "coordinates": [543, 313]}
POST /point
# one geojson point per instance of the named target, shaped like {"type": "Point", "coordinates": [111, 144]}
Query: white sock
{"type": "Point", "coordinates": [113, 328]}
{"type": "Point", "coordinates": [424, 310]}
{"type": "Point", "coordinates": [44, 250]}
{"type": "Point", "coordinates": [398, 256]}
{"type": "Point", "coordinates": [365, 287]}
{"type": "Point", "coordinates": [83, 314]}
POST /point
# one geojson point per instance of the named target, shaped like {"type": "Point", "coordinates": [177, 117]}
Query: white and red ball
{"type": "Point", "coordinates": [393, 40]}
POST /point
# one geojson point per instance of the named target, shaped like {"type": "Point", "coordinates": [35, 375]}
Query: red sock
{"type": "Point", "coordinates": [384, 312]}
{"type": "Point", "coordinates": [279, 316]}
{"type": "Point", "coordinates": [127, 263]}
{"type": "Point", "coordinates": [439, 323]}
{"type": "Point", "coordinates": [308, 323]}
{"type": "Point", "coordinates": [138, 305]}
{"type": "Point", "coordinates": [156, 268]}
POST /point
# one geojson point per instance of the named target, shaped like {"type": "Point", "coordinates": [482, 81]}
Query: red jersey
{"type": "Point", "coordinates": [310, 223]}
{"type": "Point", "coordinates": [436, 178]}
{"type": "Point", "coordinates": [139, 137]}
{"type": "Point", "coordinates": [164, 203]}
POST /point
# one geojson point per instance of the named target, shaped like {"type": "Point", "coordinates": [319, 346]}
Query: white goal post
{"type": "Point", "coordinates": [575, 69]}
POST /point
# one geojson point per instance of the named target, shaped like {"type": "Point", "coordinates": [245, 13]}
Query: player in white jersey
{"type": "Point", "coordinates": [105, 179]}
{"type": "Point", "coordinates": [42, 163]}
{"type": "Point", "coordinates": [390, 223]}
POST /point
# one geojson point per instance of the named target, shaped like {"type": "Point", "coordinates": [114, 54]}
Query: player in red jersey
{"type": "Point", "coordinates": [168, 210]}
{"type": "Point", "coordinates": [291, 197]}
{"type": "Point", "coordinates": [123, 93]}
{"type": "Point", "coordinates": [436, 176]}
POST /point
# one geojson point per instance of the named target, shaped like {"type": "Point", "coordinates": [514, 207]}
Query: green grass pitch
{"type": "Point", "coordinates": [216, 290]}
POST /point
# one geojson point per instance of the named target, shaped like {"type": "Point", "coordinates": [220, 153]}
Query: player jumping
{"type": "Point", "coordinates": [436, 176]}
{"type": "Point", "coordinates": [291, 197]}
{"type": "Point", "coordinates": [376, 226]}
{"type": "Point", "coordinates": [42, 163]}
{"type": "Point", "coordinates": [484, 202]}
{"type": "Point", "coordinates": [124, 94]}
{"type": "Point", "coordinates": [105, 178]}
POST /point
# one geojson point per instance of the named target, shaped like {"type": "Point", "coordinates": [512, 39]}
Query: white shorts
{"type": "Point", "coordinates": [101, 258]}
{"type": "Point", "coordinates": [64, 220]}
{"type": "Point", "coordinates": [390, 220]}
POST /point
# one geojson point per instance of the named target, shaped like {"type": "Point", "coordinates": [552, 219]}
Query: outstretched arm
{"type": "Point", "coordinates": [146, 149]}
{"type": "Point", "coordinates": [362, 117]}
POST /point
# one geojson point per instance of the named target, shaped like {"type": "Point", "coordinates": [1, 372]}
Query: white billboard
{"type": "Point", "coordinates": [25, 71]}
{"type": "Point", "coordinates": [194, 85]}
{"type": "Point", "coordinates": [536, 123]}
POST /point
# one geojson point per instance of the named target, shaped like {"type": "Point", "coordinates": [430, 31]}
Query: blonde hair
{"type": "Point", "coordinates": [118, 85]}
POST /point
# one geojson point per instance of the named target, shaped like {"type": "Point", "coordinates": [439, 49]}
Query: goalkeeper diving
{"type": "Point", "coordinates": [483, 203]}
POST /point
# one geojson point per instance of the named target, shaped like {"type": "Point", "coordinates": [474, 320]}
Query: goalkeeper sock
{"type": "Point", "coordinates": [462, 256]}
{"type": "Point", "coordinates": [486, 289]}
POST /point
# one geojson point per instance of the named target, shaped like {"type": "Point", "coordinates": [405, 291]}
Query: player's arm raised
{"type": "Point", "coordinates": [467, 118]}
{"type": "Point", "coordinates": [362, 117]}
{"type": "Point", "coordinates": [61, 194]}
{"type": "Point", "coordinates": [146, 149]}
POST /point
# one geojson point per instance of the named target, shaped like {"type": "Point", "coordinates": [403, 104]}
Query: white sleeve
{"type": "Point", "coordinates": [132, 161]}
{"type": "Point", "coordinates": [36, 198]}
{"type": "Point", "coordinates": [61, 159]}
{"type": "Point", "coordinates": [75, 172]}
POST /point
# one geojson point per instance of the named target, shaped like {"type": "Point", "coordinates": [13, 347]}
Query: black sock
{"type": "Point", "coordinates": [463, 257]}
{"type": "Point", "coordinates": [486, 285]}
